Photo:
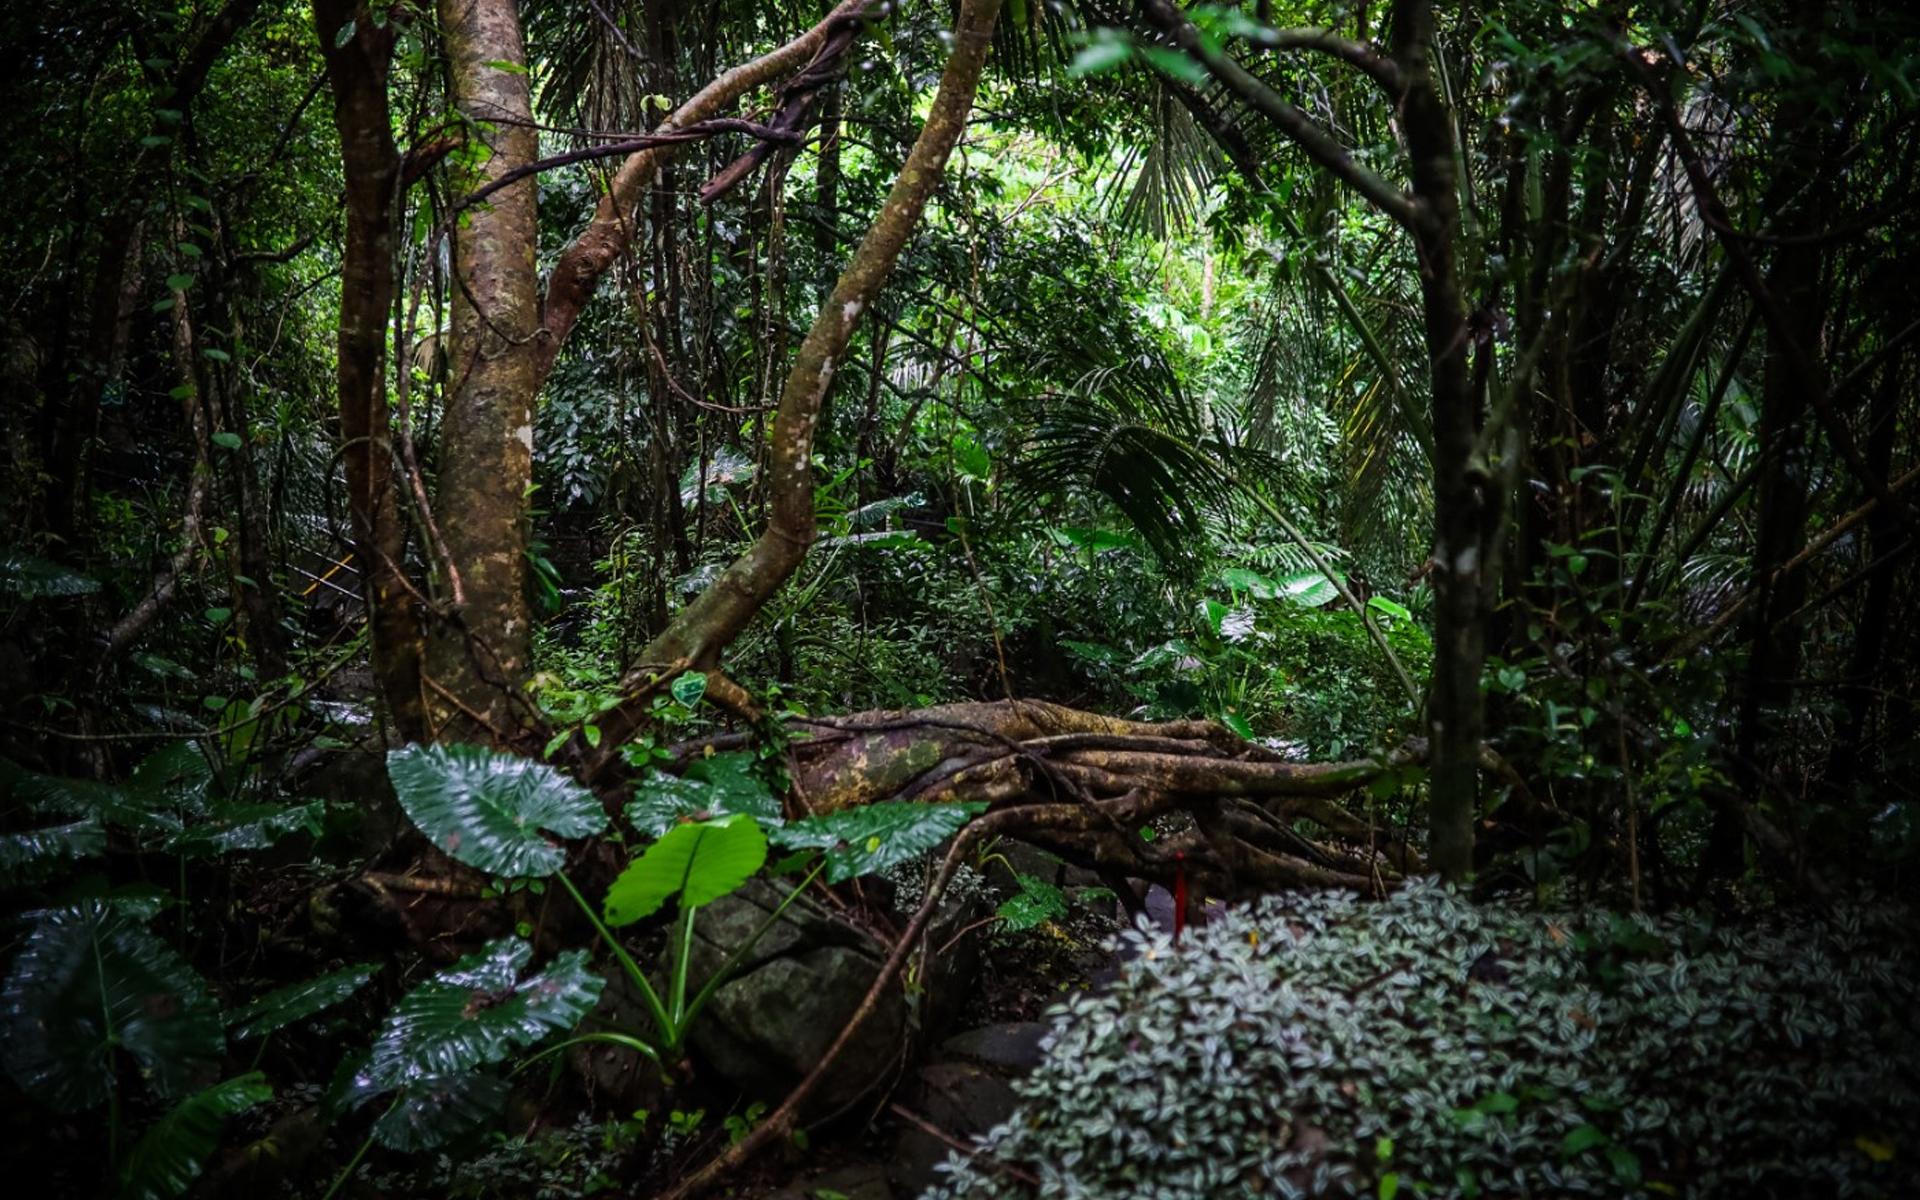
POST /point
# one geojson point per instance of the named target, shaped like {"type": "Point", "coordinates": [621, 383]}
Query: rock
{"type": "Point", "coordinates": [959, 1099]}
{"type": "Point", "coordinates": [796, 987]}
{"type": "Point", "coordinates": [792, 993]}
{"type": "Point", "coordinates": [1014, 1046]}
{"type": "Point", "coordinates": [854, 1183]}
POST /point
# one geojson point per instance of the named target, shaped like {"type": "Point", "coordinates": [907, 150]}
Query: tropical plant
{"type": "Point", "coordinates": [710, 831]}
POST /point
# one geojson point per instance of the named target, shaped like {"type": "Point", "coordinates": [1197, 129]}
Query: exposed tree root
{"type": "Point", "coordinates": [1083, 784]}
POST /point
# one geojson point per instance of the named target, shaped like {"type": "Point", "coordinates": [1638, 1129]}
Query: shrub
{"type": "Point", "coordinates": [1319, 1044]}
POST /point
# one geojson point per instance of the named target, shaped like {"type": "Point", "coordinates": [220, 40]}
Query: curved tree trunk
{"type": "Point", "coordinates": [705, 627]}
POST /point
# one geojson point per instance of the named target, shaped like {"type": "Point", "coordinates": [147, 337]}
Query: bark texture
{"type": "Point", "coordinates": [476, 660]}
{"type": "Point", "coordinates": [357, 71]}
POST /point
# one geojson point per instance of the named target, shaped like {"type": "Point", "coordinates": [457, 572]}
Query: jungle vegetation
{"type": "Point", "coordinates": [490, 480]}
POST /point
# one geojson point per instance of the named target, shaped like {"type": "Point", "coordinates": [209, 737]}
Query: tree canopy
{"type": "Point", "coordinates": [644, 448]}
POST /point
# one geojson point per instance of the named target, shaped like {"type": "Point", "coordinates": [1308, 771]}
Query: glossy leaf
{"type": "Point", "coordinates": [873, 837]}
{"type": "Point", "coordinates": [698, 862]}
{"type": "Point", "coordinates": [33, 854]}
{"type": "Point", "coordinates": [90, 983]}
{"type": "Point", "coordinates": [1309, 589]}
{"type": "Point", "coordinates": [169, 1158]}
{"type": "Point", "coordinates": [298, 1001]}
{"type": "Point", "coordinates": [1240, 579]}
{"type": "Point", "coordinates": [1036, 903]}
{"type": "Point", "coordinates": [689, 688]}
{"type": "Point", "coordinates": [478, 1011]}
{"type": "Point", "coordinates": [244, 827]}
{"type": "Point", "coordinates": [493, 811]}
{"type": "Point", "coordinates": [440, 1109]}
{"type": "Point", "coordinates": [663, 801]}
{"type": "Point", "coordinates": [32, 578]}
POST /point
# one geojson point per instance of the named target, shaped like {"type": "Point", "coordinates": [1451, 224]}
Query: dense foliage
{"type": "Point", "coordinates": [489, 481]}
{"type": "Point", "coordinates": [1319, 1045]}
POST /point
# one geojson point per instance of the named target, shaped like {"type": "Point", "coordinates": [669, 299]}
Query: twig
{"type": "Point", "coordinates": [934, 1131]}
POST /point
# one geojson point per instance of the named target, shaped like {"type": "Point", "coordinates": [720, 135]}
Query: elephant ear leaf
{"type": "Point", "coordinates": [438, 1109]}
{"type": "Point", "coordinates": [229, 827]}
{"type": "Point", "coordinates": [478, 1011]}
{"type": "Point", "coordinates": [712, 787]}
{"type": "Point", "coordinates": [873, 837]}
{"type": "Point", "coordinates": [92, 982]}
{"type": "Point", "coordinates": [699, 862]}
{"type": "Point", "coordinates": [34, 854]}
{"type": "Point", "coordinates": [493, 811]}
{"type": "Point", "coordinates": [169, 1158]}
{"type": "Point", "coordinates": [298, 1001]}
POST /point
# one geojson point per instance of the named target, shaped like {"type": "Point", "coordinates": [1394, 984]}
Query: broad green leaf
{"type": "Point", "coordinates": [440, 1109]}
{"type": "Point", "coordinates": [33, 854]}
{"type": "Point", "coordinates": [690, 688]}
{"type": "Point", "coordinates": [226, 439]}
{"type": "Point", "coordinates": [488, 810]}
{"type": "Point", "coordinates": [1310, 589]}
{"type": "Point", "coordinates": [1398, 612]}
{"type": "Point", "coordinates": [1036, 903]}
{"type": "Point", "coordinates": [1239, 725]}
{"type": "Point", "coordinates": [234, 827]}
{"type": "Point", "coordinates": [478, 1011]}
{"type": "Point", "coordinates": [33, 578]}
{"type": "Point", "coordinates": [176, 776]}
{"type": "Point", "coordinates": [298, 1001]}
{"type": "Point", "coordinates": [1094, 539]}
{"type": "Point", "coordinates": [971, 458]}
{"type": "Point", "coordinates": [1177, 64]}
{"type": "Point", "coordinates": [169, 1158]}
{"type": "Point", "coordinates": [663, 801]}
{"type": "Point", "coordinates": [873, 837]}
{"type": "Point", "coordinates": [1239, 579]}
{"type": "Point", "coordinates": [1582, 1137]}
{"type": "Point", "coordinates": [1100, 57]}
{"type": "Point", "coordinates": [699, 862]}
{"type": "Point", "coordinates": [90, 983]}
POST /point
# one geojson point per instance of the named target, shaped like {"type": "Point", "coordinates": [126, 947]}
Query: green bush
{"type": "Point", "coordinates": [1324, 1045]}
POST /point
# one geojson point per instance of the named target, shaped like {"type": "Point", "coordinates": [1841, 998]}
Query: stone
{"type": "Point", "coordinates": [962, 1101]}
{"type": "Point", "coordinates": [1013, 1046]}
{"type": "Point", "coordinates": [867, 1182]}
{"type": "Point", "coordinates": [791, 994]}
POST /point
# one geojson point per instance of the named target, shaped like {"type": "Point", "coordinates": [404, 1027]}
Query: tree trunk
{"type": "Point", "coordinates": [477, 660]}
{"type": "Point", "coordinates": [357, 70]}
{"type": "Point", "coordinates": [705, 627]}
{"type": "Point", "coordinates": [1461, 496]}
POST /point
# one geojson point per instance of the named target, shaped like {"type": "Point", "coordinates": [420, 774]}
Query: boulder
{"type": "Point", "coordinates": [1013, 1046]}
{"type": "Point", "coordinates": [797, 986]}
{"type": "Point", "coordinates": [962, 1101]}
{"type": "Point", "coordinates": [853, 1183]}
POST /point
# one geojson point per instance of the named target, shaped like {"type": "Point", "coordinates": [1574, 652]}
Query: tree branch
{"type": "Point", "coordinates": [611, 230]}
{"type": "Point", "coordinates": [705, 627]}
{"type": "Point", "coordinates": [1318, 144]}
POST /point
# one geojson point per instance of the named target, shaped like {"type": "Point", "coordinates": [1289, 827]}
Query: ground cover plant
{"type": "Point", "coordinates": [616, 597]}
